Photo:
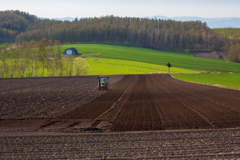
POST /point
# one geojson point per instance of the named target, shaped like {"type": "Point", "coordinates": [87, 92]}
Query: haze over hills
{"type": "Point", "coordinates": [224, 22]}
{"type": "Point", "coordinates": [60, 19]}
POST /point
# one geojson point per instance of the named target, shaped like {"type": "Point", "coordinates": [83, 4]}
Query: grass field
{"type": "Point", "coordinates": [231, 80]}
{"type": "Point", "coordinates": [98, 66]}
{"type": "Point", "coordinates": [177, 59]}
{"type": "Point", "coordinates": [124, 59]}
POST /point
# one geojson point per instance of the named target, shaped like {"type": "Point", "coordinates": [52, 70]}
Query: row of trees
{"type": "Point", "coordinates": [232, 44]}
{"type": "Point", "coordinates": [233, 50]}
{"type": "Point", "coordinates": [38, 59]}
{"type": "Point", "coordinates": [156, 33]}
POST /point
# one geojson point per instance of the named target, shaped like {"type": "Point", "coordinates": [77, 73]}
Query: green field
{"type": "Point", "coordinates": [98, 66]}
{"type": "Point", "coordinates": [124, 59]}
{"type": "Point", "coordinates": [177, 59]}
{"type": "Point", "coordinates": [231, 80]}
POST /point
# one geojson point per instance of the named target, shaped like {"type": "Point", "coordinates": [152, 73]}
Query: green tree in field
{"type": "Point", "coordinates": [42, 52]}
{"type": "Point", "coordinates": [234, 53]}
{"type": "Point", "coordinates": [70, 60]}
{"type": "Point", "coordinates": [28, 60]}
{"type": "Point", "coordinates": [169, 66]}
{"type": "Point", "coordinates": [81, 66]}
{"type": "Point", "coordinates": [49, 51]}
{"type": "Point", "coordinates": [4, 56]}
{"type": "Point", "coordinates": [32, 45]}
{"type": "Point", "coordinates": [23, 61]}
{"type": "Point", "coordinates": [57, 56]}
{"type": "Point", "coordinates": [16, 55]}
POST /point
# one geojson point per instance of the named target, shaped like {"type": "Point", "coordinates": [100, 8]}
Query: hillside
{"type": "Point", "coordinates": [153, 56]}
{"type": "Point", "coordinates": [232, 43]}
{"type": "Point", "coordinates": [189, 36]}
{"type": "Point", "coordinates": [231, 33]}
{"type": "Point", "coordinates": [14, 22]}
{"type": "Point", "coordinates": [153, 33]}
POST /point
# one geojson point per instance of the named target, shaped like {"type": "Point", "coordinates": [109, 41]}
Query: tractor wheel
{"type": "Point", "coordinates": [108, 87]}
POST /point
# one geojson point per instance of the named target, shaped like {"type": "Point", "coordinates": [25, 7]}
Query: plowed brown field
{"type": "Point", "coordinates": [135, 103]}
{"type": "Point", "coordinates": [149, 102]}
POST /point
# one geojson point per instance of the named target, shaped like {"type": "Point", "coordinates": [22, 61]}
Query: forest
{"type": "Point", "coordinates": [154, 33]}
{"type": "Point", "coordinates": [231, 33]}
{"type": "Point", "coordinates": [232, 43]}
{"type": "Point", "coordinates": [190, 36]}
{"type": "Point", "coordinates": [13, 23]}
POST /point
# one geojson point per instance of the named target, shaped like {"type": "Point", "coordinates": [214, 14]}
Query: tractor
{"type": "Point", "coordinates": [103, 83]}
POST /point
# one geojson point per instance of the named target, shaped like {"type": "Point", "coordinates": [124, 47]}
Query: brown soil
{"type": "Point", "coordinates": [46, 97]}
{"type": "Point", "coordinates": [214, 55]}
{"type": "Point", "coordinates": [144, 102]}
{"type": "Point", "coordinates": [194, 145]}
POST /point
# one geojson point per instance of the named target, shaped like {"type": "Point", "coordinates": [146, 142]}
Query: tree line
{"type": "Point", "coordinates": [156, 33]}
{"type": "Point", "coordinates": [38, 59]}
{"type": "Point", "coordinates": [232, 44]}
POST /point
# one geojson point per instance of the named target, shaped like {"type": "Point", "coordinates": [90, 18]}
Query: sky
{"type": "Point", "coordinates": [123, 8]}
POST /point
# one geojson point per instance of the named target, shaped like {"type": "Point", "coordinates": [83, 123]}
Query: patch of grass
{"type": "Point", "coordinates": [106, 66]}
{"type": "Point", "coordinates": [177, 59]}
{"type": "Point", "coordinates": [1, 44]}
{"type": "Point", "coordinates": [224, 79]}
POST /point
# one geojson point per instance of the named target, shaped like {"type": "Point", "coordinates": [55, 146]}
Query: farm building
{"type": "Point", "coordinates": [70, 51]}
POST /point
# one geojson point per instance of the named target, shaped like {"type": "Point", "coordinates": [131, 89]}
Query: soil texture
{"type": "Point", "coordinates": [135, 103]}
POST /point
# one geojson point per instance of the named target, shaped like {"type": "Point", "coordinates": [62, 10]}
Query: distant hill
{"type": "Point", "coordinates": [60, 19]}
{"type": "Point", "coordinates": [145, 32]}
{"type": "Point", "coordinates": [225, 22]}
{"type": "Point", "coordinates": [14, 22]}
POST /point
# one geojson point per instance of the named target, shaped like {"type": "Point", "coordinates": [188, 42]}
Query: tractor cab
{"type": "Point", "coordinates": [103, 83]}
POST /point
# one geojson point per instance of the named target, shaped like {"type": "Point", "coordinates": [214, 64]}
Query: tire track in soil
{"type": "Point", "coordinates": [173, 109]}
{"type": "Point", "coordinates": [212, 90]}
{"type": "Point", "coordinates": [125, 114]}
{"type": "Point", "coordinates": [218, 115]}
{"type": "Point", "coordinates": [131, 110]}
{"type": "Point", "coordinates": [157, 102]}
{"type": "Point", "coordinates": [218, 98]}
{"type": "Point", "coordinates": [95, 108]}
{"type": "Point", "coordinates": [113, 112]}
{"type": "Point", "coordinates": [173, 94]}
{"type": "Point", "coordinates": [140, 101]}
{"type": "Point", "coordinates": [140, 119]}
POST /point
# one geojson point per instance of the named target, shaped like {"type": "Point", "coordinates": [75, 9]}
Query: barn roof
{"type": "Point", "coordinates": [74, 50]}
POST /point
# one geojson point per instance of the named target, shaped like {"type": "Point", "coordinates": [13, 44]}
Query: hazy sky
{"type": "Point", "coordinates": [122, 8]}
